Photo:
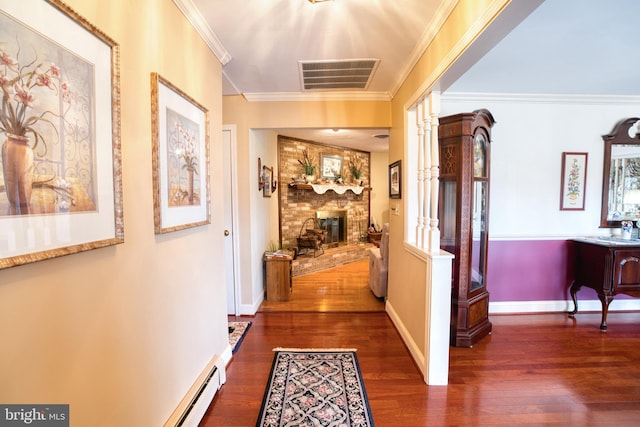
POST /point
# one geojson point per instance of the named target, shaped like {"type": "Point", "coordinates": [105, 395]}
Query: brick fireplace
{"type": "Point", "coordinates": [297, 205]}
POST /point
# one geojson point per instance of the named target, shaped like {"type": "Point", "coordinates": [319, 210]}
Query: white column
{"type": "Point", "coordinates": [438, 316]}
{"type": "Point", "coordinates": [434, 230]}
{"type": "Point", "coordinates": [426, 188]}
{"type": "Point", "coordinates": [420, 221]}
{"type": "Point", "coordinates": [438, 302]}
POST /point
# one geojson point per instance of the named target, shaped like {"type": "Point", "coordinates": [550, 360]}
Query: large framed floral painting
{"type": "Point", "coordinates": [60, 186]}
{"type": "Point", "coordinates": [180, 158]}
{"type": "Point", "coordinates": [574, 181]}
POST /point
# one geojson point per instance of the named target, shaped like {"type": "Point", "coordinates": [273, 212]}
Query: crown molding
{"type": "Point", "coordinates": [192, 14]}
{"type": "Point", "coordinates": [317, 96]}
{"type": "Point", "coordinates": [542, 98]}
{"type": "Point", "coordinates": [427, 37]}
{"type": "Point", "coordinates": [463, 43]}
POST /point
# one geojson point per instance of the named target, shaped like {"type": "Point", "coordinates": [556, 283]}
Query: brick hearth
{"type": "Point", "coordinates": [333, 257]}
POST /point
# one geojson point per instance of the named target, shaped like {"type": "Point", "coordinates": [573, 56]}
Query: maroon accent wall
{"type": "Point", "coordinates": [529, 270]}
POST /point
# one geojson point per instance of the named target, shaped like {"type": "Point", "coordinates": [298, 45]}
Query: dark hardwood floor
{"type": "Point", "coordinates": [342, 289]}
{"type": "Point", "coordinates": [537, 370]}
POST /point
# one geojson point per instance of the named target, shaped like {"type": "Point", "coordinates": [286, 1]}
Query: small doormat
{"type": "Point", "coordinates": [237, 332]}
{"type": "Point", "coordinates": [315, 387]}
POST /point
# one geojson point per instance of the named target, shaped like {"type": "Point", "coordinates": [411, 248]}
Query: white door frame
{"type": "Point", "coordinates": [231, 220]}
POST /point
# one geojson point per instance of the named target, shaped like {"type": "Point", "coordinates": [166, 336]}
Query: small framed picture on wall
{"type": "Point", "coordinates": [331, 166]}
{"type": "Point", "coordinates": [395, 180]}
{"type": "Point", "coordinates": [573, 181]}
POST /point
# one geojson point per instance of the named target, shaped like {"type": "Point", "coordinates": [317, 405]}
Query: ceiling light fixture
{"type": "Point", "coordinates": [317, 1]}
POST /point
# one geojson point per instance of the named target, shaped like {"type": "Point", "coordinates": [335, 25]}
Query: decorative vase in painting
{"type": "Point", "coordinates": [17, 170]}
{"type": "Point", "coordinates": [190, 183]}
{"type": "Point", "coordinates": [309, 178]}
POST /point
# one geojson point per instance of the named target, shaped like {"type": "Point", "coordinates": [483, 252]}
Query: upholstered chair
{"type": "Point", "coordinates": [378, 265]}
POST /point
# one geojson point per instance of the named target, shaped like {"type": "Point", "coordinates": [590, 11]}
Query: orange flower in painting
{"type": "Point", "coordinates": [21, 85]}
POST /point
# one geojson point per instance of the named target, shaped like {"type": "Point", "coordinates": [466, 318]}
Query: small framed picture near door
{"type": "Point", "coordinates": [267, 177]}
{"type": "Point", "coordinates": [395, 180]}
{"type": "Point", "coordinates": [574, 181]}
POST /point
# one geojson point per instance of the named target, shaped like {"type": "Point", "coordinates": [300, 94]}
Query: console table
{"type": "Point", "coordinates": [608, 265]}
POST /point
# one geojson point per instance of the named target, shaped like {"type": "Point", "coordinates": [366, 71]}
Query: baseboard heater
{"type": "Point", "coordinates": [197, 400]}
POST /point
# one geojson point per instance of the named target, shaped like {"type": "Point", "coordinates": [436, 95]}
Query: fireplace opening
{"type": "Point", "coordinates": [335, 224]}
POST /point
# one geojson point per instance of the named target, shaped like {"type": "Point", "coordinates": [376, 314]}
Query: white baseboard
{"type": "Point", "coordinates": [196, 401]}
{"type": "Point", "coordinates": [250, 309]}
{"type": "Point", "coordinates": [523, 307]}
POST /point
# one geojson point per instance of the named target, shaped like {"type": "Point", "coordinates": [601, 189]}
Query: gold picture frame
{"type": "Point", "coordinates": [573, 181]}
{"type": "Point", "coordinates": [71, 199]}
{"type": "Point", "coordinates": [180, 145]}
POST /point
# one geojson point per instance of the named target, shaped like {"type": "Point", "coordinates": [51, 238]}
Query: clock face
{"type": "Point", "coordinates": [479, 145]}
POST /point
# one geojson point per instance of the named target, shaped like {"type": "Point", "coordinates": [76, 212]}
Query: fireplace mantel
{"type": "Point", "coordinates": [323, 188]}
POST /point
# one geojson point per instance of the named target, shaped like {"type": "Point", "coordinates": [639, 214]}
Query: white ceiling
{"type": "Point", "coordinates": [562, 46]}
{"type": "Point", "coordinates": [575, 47]}
{"type": "Point", "coordinates": [266, 39]}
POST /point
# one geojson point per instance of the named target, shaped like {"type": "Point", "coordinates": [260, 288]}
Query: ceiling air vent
{"type": "Point", "coordinates": [345, 74]}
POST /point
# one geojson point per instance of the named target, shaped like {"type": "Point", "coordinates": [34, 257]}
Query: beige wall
{"type": "Point", "coordinates": [121, 333]}
{"type": "Point", "coordinates": [380, 187]}
{"type": "Point", "coordinates": [263, 232]}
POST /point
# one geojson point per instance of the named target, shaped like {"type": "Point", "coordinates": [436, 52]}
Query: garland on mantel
{"type": "Point", "coordinates": [340, 189]}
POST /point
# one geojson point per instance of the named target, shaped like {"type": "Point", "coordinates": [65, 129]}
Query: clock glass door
{"type": "Point", "coordinates": [479, 214]}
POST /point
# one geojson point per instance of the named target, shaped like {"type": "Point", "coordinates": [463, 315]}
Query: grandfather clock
{"type": "Point", "coordinates": [465, 154]}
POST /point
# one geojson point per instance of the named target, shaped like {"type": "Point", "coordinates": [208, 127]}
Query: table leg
{"type": "Point", "coordinates": [575, 287]}
{"type": "Point", "coordinates": [605, 300]}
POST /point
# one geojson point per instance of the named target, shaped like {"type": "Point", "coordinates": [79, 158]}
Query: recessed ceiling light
{"type": "Point", "coordinates": [318, 1]}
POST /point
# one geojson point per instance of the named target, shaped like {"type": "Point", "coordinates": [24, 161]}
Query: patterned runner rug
{"type": "Point", "coordinates": [315, 387]}
{"type": "Point", "coordinates": [237, 332]}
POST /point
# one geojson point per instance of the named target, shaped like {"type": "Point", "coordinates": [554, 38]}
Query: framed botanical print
{"type": "Point", "coordinates": [61, 182]}
{"type": "Point", "coordinates": [180, 143]}
{"type": "Point", "coordinates": [573, 181]}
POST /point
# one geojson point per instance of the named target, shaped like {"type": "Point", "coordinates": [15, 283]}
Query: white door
{"type": "Point", "coordinates": [230, 206]}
